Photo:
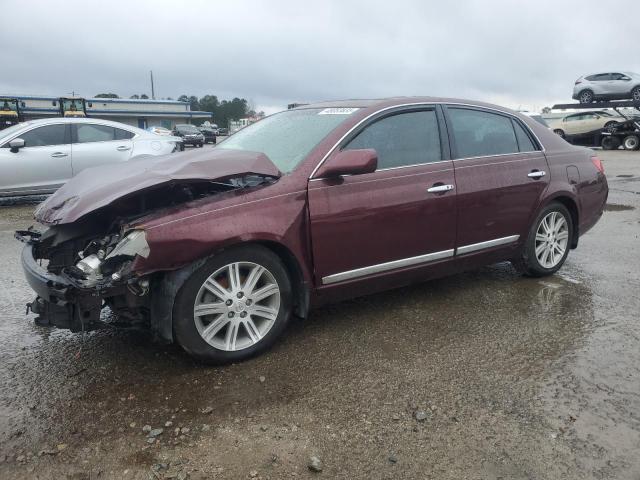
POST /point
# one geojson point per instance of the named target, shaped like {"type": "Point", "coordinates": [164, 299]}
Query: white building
{"type": "Point", "coordinates": [138, 113]}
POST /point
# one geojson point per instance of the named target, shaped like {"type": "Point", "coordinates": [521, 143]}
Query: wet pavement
{"type": "Point", "coordinates": [483, 375]}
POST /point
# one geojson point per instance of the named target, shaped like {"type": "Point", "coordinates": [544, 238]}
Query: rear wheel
{"type": "Point", "coordinates": [549, 241]}
{"type": "Point", "coordinates": [631, 142]}
{"type": "Point", "coordinates": [234, 306]}
{"type": "Point", "coordinates": [586, 96]}
{"type": "Point", "coordinates": [559, 132]}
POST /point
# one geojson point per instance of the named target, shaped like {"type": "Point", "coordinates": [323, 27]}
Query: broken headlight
{"type": "Point", "coordinates": [111, 256]}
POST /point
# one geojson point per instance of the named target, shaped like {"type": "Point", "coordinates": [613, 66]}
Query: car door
{"type": "Point", "coordinates": [619, 84]}
{"type": "Point", "coordinates": [599, 83]}
{"type": "Point", "coordinates": [501, 173]}
{"type": "Point", "coordinates": [400, 216]}
{"type": "Point", "coordinates": [41, 166]}
{"type": "Point", "coordinates": [573, 124]}
{"type": "Point", "coordinates": [97, 144]}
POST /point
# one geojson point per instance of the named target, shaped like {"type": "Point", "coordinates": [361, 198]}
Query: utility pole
{"type": "Point", "coordinates": [153, 92]}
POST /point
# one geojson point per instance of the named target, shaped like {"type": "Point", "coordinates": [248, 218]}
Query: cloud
{"type": "Point", "coordinates": [519, 54]}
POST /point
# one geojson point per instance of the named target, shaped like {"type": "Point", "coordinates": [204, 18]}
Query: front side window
{"type": "Point", "coordinates": [479, 133]}
{"type": "Point", "coordinates": [403, 139]}
{"type": "Point", "coordinates": [45, 136]}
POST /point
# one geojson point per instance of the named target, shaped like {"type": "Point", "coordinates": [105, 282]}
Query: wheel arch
{"type": "Point", "coordinates": [572, 206]}
{"type": "Point", "coordinates": [167, 284]}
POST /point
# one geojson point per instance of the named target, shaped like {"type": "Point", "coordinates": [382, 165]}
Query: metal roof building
{"type": "Point", "coordinates": [141, 113]}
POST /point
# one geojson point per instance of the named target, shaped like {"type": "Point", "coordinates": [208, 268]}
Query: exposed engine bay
{"type": "Point", "coordinates": [88, 263]}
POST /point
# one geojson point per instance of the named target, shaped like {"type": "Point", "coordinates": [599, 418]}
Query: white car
{"type": "Point", "coordinates": [607, 86]}
{"type": "Point", "coordinates": [39, 156]}
{"type": "Point", "coordinates": [585, 123]}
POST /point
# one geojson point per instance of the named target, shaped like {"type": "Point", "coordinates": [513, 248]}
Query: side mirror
{"type": "Point", "coordinates": [16, 144]}
{"type": "Point", "coordinates": [349, 162]}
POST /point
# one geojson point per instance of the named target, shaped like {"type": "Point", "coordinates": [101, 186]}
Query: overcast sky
{"type": "Point", "coordinates": [515, 53]}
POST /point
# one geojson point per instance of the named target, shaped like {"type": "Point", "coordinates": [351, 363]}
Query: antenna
{"type": "Point", "coordinates": [153, 92]}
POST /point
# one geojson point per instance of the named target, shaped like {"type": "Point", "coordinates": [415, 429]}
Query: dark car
{"type": "Point", "coordinates": [223, 131]}
{"type": "Point", "coordinates": [217, 250]}
{"type": "Point", "coordinates": [209, 134]}
{"type": "Point", "coordinates": [190, 134]}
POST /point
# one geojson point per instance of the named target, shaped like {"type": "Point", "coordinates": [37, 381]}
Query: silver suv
{"type": "Point", "coordinates": [607, 86]}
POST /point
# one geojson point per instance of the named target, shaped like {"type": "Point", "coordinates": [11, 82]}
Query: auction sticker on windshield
{"type": "Point", "coordinates": [337, 111]}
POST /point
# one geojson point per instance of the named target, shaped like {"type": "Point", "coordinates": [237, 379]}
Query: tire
{"type": "Point", "coordinates": [559, 132]}
{"type": "Point", "coordinates": [631, 142]}
{"type": "Point", "coordinates": [533, 260]}
{"type": "Point", "coordinates": [585, 96]}
{"type": "Point", "coordinates": [610, 126]}
{"type": "Point", "coordinates": [254, 333]}
{"type": "Point", "coordinates": [610, 143]}
{"type": "Point", "coordinates": [635, 94]}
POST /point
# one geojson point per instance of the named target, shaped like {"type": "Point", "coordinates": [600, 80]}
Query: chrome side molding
{"type": "Point", "coordinates": [420, 259]}
{"type": "Point", "coordinates": [383, 267]}
{"type": "Point", "coordinates": [488, 244]}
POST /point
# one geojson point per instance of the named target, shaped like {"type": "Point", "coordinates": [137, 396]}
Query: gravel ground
{"type": "Point", "coordinates": [483, 375]}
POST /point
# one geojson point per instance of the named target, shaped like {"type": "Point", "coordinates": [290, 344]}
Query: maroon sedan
{"type": "Point", "coordinates": [218, 249]}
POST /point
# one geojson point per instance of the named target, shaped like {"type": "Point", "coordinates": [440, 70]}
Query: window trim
{"type": "Point", "coordinates": [67, 135]}
{"type": "Point", "coordinates": [444, 151]}
{"type": "Point", "coordinates": [442, 108]}
{"type": "Point", "coordinates": [454, 149]}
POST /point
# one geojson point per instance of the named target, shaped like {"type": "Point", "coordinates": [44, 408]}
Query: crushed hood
{"type": "Point", "coordinates": [98, 187]}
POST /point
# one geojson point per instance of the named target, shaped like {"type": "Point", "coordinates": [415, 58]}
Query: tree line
{"type": "Point", "coordinates": [223, 110]}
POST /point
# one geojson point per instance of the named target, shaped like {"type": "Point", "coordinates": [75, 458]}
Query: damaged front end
{"type": "Point", "coordinates": [74, 278]}
{"type": "Point", "coordinates": [85, 260]}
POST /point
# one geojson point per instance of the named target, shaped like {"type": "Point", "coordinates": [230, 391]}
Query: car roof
{"type": "Point", "coordinates": [58, 120]}
{"type": "Point", "coordinates": [378, 103]}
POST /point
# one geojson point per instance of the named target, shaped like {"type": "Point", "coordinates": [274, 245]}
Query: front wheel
{"type": "Point", "coordinates": [234, 306]}
{"type": "Point", "coordinates": [559, 132]}
{"type": "Point", "coordinates": [635, 94]}
{"type": "Point", "coordinates": [549, 241]}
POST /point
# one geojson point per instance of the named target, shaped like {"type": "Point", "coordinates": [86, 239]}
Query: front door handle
{"type": "Point", "coordinates": [59, 154]}
{"type": "Point", "coordinates": [123, 148]}
{"type": "Point", "coordinates": [440, 188]}
{"type": "Point", "coordinates": [537, 174]}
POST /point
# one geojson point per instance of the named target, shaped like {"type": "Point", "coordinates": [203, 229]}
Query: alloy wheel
{"type": "Point", "coordinates": [552, 238]}
{"type": "Point", "coordinates": [586, 97]}
{"type": "Point", "coordinates": [236, 306]}
{"type": "Point", "coordinates": [636, 94]}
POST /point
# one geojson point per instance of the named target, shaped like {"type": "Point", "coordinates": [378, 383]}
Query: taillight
{"type": "Point", "coordinates": [598, 164]}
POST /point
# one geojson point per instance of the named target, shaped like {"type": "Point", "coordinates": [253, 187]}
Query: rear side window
{"type": "Point", "coordinates": [478, 133]}
{"type": "Point", "coordinates": [403, 139]}
{"type": "Point", "coordinates": [524, 141]}
{"type": "Point", "coordinates": [44, 136]}
{"type": "Point", "coordinates": [123, 134]}
{"type": "Point", "coordinates": [600, 77]}
{"type": "Point", "coordinates": [86, 133]}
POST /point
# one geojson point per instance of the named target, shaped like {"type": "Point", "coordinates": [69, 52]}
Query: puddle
{"type": "Point", "coordinates": [613, 207]}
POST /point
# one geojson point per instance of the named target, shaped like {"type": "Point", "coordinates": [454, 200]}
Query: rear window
{"type": "Point", "coordinates": [479, 133]}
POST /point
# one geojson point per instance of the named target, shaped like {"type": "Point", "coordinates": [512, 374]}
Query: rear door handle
{"type": "Point", "coordinates": [440, 188]}
{"type": "Point", "coordinates": [123, 148]}
{"type": "Point", "coordinates": [59, 154]}
{"type": "Point", "coordinates": [537, 174]}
